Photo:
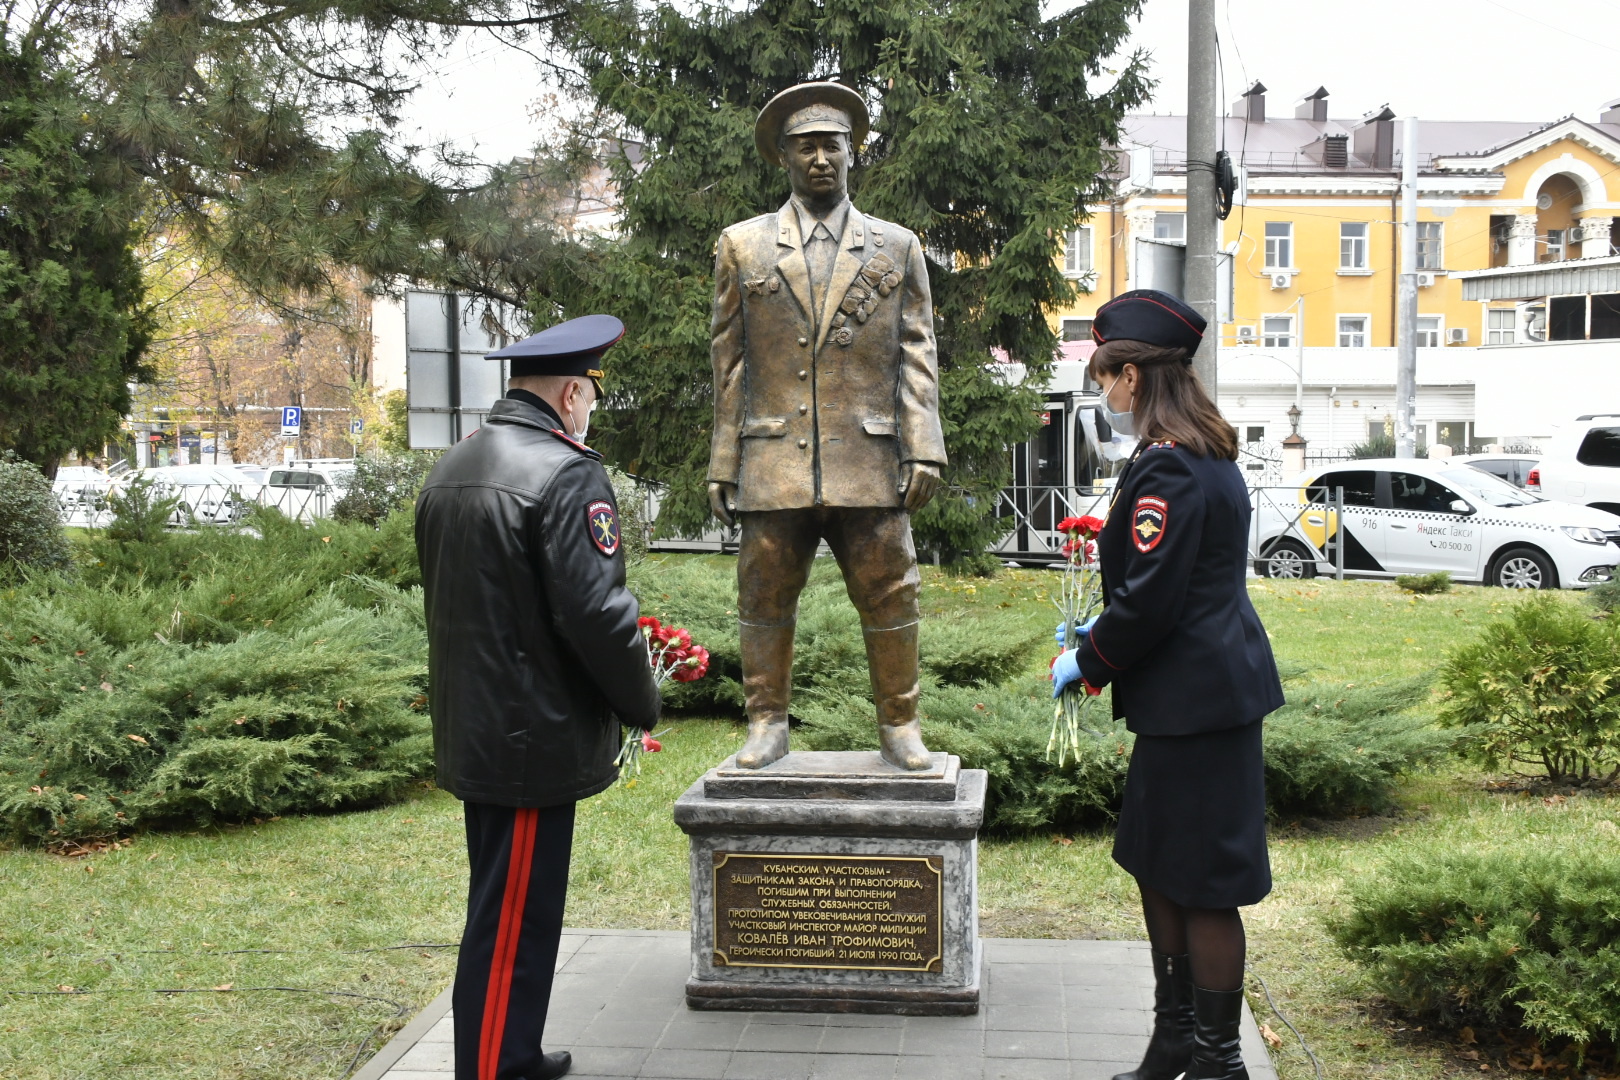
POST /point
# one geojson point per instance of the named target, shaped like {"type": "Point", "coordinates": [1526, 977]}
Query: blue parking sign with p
{"type": "Point", "coordinates": [292, 419]}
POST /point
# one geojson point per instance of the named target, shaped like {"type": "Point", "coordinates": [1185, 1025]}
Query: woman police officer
{"type": "Point", "coordinates": [1192, 674]}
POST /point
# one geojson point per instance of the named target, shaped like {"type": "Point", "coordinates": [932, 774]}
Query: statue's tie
{"type": "Point", "coordinates": [819, 253]}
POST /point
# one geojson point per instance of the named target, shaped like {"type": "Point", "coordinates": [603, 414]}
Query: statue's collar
{"type": "Point", "coordinates": [852, 235]}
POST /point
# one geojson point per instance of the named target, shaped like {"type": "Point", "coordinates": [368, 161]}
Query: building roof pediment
{"type": "Point", "coordinates": [1570, 128]}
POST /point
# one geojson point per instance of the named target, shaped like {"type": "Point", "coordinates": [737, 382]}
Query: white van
{"type": "Point", "coordinates": [1582, 464]}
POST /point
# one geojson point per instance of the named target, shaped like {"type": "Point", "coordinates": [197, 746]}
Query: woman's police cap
{"type": "Point", "coordinates": [574, 347]}
{"type": "Point", "coordinates": [1151, 316]}
{"type": "Point", "coordinates": [807, 109]}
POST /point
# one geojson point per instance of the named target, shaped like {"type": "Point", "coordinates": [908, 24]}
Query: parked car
{"type": "Point", "coordinates": [1582, 463]}
{"type": "Point", "coordinates": [306, 490]}
{"type": "Point", "coordinates": [337, 472]}
{"type": "Point", "coordinates": [1516, 469]}
{"type": "Point", "coordinates": [81, 494]}
{"type": "Point", "coordinates": [253, 474]}
{"type": "Point", "coordinates": [208, 494]}
{"type": "Point", "coordinates": [1415, 516]}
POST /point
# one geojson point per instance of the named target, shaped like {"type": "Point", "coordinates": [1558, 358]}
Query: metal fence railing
{"type": "Point", "coordinates": [87, 504]}
{"type": "Point", "coordinates": [1031, 514]}
{"type": "Point", "coordinates": [1295, 531]}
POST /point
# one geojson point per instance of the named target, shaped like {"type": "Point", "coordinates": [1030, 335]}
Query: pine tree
{"type": "Point", "coordinates": [259, 130]}
{"type": "Point", "coordinates": [988, 139]}
{"type": "Point", "coordinates": [72, 322]}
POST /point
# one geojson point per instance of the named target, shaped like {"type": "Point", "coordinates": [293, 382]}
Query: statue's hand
{"type": "Point", "coordinates": [723, 501]}
{"type": "Point", "coordinates": [919, 484]}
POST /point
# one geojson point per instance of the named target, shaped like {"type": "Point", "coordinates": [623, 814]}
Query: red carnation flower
{"type": "Point", "coordinates": [1090, 526]}
{"type": "Point", "coordinates": [693, 665]}
{"type": "Point", "coordinates": [650, 744]}
{"type": "Point", "coordinates": [647, 621]}
{"type": "Point", "coordinates": [1069, 525]}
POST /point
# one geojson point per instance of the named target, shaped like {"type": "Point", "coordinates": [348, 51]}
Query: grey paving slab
{"type": "Point", "coordinates": [1052, 1010]}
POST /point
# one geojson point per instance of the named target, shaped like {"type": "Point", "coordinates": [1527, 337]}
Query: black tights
{"type": "Point", "coordinates": [1211, 937]}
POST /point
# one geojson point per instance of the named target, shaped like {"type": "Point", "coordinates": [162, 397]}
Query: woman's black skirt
{"type": "Point", "coordinates": [1193, 824]}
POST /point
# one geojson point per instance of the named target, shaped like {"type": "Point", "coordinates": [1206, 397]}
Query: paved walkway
{"type": "Point", "coordinates": [1052, 1010]}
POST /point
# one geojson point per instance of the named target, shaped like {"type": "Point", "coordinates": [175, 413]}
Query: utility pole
{"type": "Point", "coordinates": [1203, 237]}
{"type": "Point", "coordinates": [1406, 300]}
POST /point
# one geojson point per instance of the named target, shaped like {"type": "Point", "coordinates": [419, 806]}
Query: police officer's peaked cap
{"type": "Point", "coordinates": [574, 347]}
{"type": "Point", "coordinates": [809, 108]}
{"type": "Point", "coordinates": [1151, 316]}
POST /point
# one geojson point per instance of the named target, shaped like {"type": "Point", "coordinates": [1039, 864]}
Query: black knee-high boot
{"type": "Point", "coordinates": [1216, 1051]}
{"type": "Point", "coordinates": [1170, 1050]}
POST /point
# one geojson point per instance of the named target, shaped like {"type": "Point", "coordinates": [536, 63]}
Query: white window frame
{"type": "Point", "coordinates": [1431, 259]}
{"type": "Point", "coordinates": [1063, 328]}
{"type": "Point", "coordinates": [1283, 340]}
{"type": "Point", "coordinates": [1502, 335]}
{"type": "Point", "coordinates": [1557, 245]}
{"type": "Point", "coordinates": [1166, 218]}
{"type": "Point", "coordinates": [1078, 242]}
{"type": "Point", "coordinates": [1439, 331]}
{"type": "Point", "coordinates": [1354, 250]}
{"type": "Point", "coordinates": [1276, 246]}
{"type": "Point", "coordinates": [1365, 331]}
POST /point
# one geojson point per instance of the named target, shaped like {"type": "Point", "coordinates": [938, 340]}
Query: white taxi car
{"type": "Point", "coordinates": [1415, 516]}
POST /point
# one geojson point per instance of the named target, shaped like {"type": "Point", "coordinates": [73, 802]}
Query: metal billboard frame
{"type": "Point", "coordinates": [449, 386]}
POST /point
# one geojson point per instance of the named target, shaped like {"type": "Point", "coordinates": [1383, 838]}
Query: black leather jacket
{"type": "Point", "coordinates": [533, 646]}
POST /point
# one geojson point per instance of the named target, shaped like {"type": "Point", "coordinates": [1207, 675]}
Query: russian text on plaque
{"type": "Point", "coordinates": [869, 912]}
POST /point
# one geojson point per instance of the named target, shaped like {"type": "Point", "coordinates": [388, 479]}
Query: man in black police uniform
{"type": "Point", "coordinates": [534, 659]}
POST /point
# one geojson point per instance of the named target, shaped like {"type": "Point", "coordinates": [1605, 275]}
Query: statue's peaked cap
{"type": "Point", "coordinates": [810, 107]}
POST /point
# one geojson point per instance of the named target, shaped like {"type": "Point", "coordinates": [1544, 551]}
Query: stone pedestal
{"type": "Point", "coordinates": [835, 882]}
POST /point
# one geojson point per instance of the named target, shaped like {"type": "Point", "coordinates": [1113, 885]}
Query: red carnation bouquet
{"type": "Point", "coordinates": [1079, 601]}
{"type": "Point", "coordinates": [673, 656]}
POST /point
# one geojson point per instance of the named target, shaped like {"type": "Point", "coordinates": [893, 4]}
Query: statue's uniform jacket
{"type": "Point", "coordinates": [822, 412]}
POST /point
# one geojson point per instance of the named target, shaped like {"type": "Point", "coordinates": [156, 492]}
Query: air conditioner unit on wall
{"type": "Point", "coordinates": [1281, 281]}
{"type": "Point", "coordinates": [1457, 335]}
{"type": "Point", "coordinates": [1245, 333]}
{"type": "Point", "coordinates": [1575, 235]}
{"type": "Point", "coordinates": [1425, 280]}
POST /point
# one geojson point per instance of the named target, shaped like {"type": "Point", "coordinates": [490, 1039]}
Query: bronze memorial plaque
{"type": "Point", "coordinates": [876, 912]}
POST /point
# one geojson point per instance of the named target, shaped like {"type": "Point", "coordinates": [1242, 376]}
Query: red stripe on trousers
{"type": "Point", "coordinates": [506, 941]}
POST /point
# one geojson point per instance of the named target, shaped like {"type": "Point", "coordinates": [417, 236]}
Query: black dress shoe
{"type": "Point", "coordinates": [554, 1065]}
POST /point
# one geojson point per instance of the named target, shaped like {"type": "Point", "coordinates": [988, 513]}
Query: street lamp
{"type": "Point", "coordinates": [1293, 418]}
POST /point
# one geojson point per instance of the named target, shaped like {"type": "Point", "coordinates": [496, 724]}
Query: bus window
{"type": "Point", "coordinates": [1091, 434]}
{"type": "Point", "coordinates": [1049, 449]}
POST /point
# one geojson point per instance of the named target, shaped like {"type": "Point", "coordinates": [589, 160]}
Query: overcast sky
{"type": "Point", "coordinates": [1522, 60]}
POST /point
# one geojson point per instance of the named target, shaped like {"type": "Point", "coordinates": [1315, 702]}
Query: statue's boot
{"type": "Point", "coordinates": [892, 658]}
{"type": "Point", "coordinates": [767, 663]}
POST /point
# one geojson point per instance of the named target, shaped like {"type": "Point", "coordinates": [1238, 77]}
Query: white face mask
{"type": "Point", "coordinates": [579, 436]}
{"type": "Point", "coordinates": [1122, 422]}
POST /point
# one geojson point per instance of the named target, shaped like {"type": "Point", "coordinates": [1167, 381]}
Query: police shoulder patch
{"type": "Point", "coordinates": [1148, 522]}
{"type": "Point", "coordinates": [603, 525]}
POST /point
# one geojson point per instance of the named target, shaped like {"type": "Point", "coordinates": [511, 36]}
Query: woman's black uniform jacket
{"type": "Point", "coordinates": [1179, 640]}
{"type": "Point", "coordinates": [533, 645]}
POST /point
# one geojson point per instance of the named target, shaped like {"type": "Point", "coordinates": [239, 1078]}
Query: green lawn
{"type": "Point", "coordinates": [183, 910]}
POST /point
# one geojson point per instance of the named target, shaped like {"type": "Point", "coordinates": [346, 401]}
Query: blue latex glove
{"type": "Point", "coordinates": [1080, 631]}
{"type": "Point", "coordinates": [1065, 672]}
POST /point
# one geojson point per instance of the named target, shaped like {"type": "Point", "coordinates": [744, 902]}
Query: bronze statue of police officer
{"type": "Point", "coordinates": [826, 416]}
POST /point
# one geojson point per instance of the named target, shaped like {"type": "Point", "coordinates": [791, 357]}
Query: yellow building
{"type": "Point", "coordinates": [1314, 249]}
